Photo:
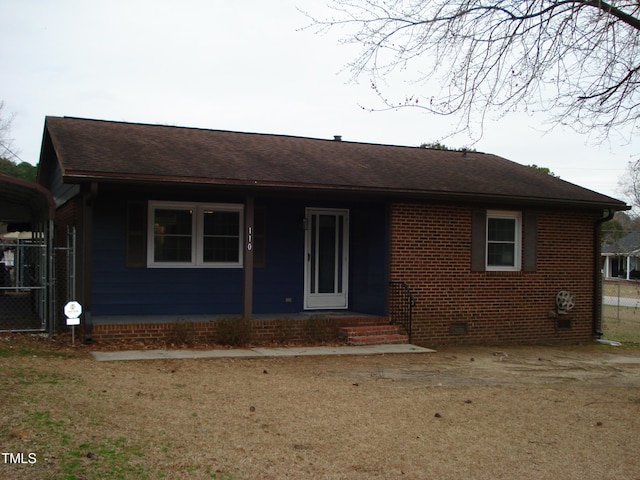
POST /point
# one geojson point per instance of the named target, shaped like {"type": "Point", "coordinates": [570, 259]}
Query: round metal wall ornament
{"type": "Point", "coordinates": [565, 301]}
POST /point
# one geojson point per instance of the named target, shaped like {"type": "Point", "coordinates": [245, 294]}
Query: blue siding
{"type": "Point", "coordinates": [369, 259]}
{"type": "Point", "coordinates": [278, 285]}
{"type": "Point", "coordinates": [282, 276]}
{"type": "Point", "coordinates": [118, 290]}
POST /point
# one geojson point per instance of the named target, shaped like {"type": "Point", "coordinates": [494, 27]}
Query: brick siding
{"type": "Point", "coordinates": [431, 253]}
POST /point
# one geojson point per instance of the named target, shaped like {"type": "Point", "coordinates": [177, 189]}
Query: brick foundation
{"type": "Point", "coordinates": [296, 330]}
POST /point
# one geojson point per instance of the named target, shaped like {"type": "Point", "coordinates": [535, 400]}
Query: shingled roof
{"type": "Point", "coordinates": [630, 243]}
{"type": "Point", "coordinates": [95, 150]}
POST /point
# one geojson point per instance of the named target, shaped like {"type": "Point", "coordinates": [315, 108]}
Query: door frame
{"type": "Point", "coordinates": [327, 301]}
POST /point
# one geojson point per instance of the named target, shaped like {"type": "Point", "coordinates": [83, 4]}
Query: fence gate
{"type": "Point", "coordinates": [63, 280]}
{"type": "Point", "coordinates": [36, 280]}
{"type": "Point", "coordinates": [25, 281]}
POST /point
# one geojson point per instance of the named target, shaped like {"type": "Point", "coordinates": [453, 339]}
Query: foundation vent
{"type": "Point", "coordinates": [459, 328]}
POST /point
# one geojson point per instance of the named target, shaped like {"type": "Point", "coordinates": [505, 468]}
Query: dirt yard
{"type": "Point", "coordinates": [460, 413]}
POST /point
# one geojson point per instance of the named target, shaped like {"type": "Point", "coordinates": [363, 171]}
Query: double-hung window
{"type": "Point", "coordinates": [194, 235]}
{"type": "Point", "coordinates": [503, 240]}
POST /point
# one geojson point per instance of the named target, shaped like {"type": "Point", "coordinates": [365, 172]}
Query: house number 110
{"type": "Point", "coordinates": [250, 238]}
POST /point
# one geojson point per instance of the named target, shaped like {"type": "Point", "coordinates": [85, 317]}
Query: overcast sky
{"type": "Point", "coordinates": [245, 66]}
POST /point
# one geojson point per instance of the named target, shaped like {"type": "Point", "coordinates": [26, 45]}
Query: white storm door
{"type": "Point", "coordinates": [327, 259]}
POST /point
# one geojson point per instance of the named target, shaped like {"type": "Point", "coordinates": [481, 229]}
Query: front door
{"type": "Point", "coordinates": [327, 258]}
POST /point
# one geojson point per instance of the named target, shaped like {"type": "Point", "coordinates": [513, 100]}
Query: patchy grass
{"type": "Point", "coordinates": [465, 412]}
{"type": "Point", "coordinates": [622, 288]}
{"type": "Point", "coordinates": [34, 345]}
{"type": "Point", "coordinates": [621, 324]}
{"type": "Point", "coordinates": [64, 443]}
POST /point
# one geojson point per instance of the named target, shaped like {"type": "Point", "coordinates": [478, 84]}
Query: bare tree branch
{"type": "Point", "coordinates": [578, 60]}
{"type": "Point", "coordinates": [629, 184]}
{"type": "Point", "coordinates": [5, 133]}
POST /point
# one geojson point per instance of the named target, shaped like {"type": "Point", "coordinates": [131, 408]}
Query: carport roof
{"type": "Point", "coordinates": [22, 201]}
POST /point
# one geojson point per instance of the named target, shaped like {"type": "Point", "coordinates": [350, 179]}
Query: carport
{"type": "Point", "coordinates": [26, 256]}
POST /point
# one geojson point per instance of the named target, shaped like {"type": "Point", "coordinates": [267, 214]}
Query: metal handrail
{"type": "Point", "coordinates": [401, 303]}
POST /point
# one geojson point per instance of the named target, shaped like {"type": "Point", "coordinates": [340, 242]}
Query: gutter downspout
{"type": "Point", "coordinates": [597, 275]}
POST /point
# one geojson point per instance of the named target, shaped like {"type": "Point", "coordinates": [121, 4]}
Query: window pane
{"type": "Point", "coordinates": [221, 223]}
{"type": "Point", "coordinates": [173, 222]}
{"type": "Point", "coordinates": [221, 242]}
{"type": "Point", "coordinates": [501, 230]}
{"type": "Point", "coordinates": [501, 254]}
{"type": "Point", "coordinates": [172, 235]}
{"type": "Point", "coordinates": [327, 254]}
{"type": "Point", "coordinates": [172, 249]}
{"type": "Point", "coordinates": [221, 249]}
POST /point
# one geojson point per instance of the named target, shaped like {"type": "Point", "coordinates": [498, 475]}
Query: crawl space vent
{"type": "Point", "coordinates": [459, 328]}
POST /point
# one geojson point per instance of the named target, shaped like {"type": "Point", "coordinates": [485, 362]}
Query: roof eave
{"type": "Point", "coordinates": [260, 185]}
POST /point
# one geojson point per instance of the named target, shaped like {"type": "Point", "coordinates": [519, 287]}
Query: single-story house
{"type": "Point", "coordinates": [190, 224]}
{"type": "Point", "coordinates": [621, 259]}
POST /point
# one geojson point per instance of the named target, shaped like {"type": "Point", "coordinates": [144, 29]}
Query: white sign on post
{"type": "Point", "coordinates": [72, 311]}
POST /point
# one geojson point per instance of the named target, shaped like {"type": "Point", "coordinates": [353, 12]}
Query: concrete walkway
{"type": "Point", "coordinates": [258, 352]}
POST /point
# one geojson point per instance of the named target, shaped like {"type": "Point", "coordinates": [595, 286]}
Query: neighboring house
{"type": "Point", "coordinates": [622, 258]}
{"type": "Point", "coordinates": [182, 223]}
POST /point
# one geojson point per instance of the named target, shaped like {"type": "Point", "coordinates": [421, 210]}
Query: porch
{"type": "Point", "coordinates": [623, 266]}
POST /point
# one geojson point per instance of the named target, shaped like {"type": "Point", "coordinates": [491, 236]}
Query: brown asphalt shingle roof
{"type": "Point", "coordinates": [103, 150]}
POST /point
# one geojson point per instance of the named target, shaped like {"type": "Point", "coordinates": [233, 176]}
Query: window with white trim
{"type": "Point", "coordinates": [503, 240]}
{"type": "Point", "coordinates": [194, 235]}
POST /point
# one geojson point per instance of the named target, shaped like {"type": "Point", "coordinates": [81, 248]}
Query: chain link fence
{"type": "Point", "coordinates": [36, 281]}
{"type": "Point", "coordinates": [63, 278]}
{"type": "Point", "coordinates": [621, 311]}
{"type": "Point", "coordinates": [23, 284]}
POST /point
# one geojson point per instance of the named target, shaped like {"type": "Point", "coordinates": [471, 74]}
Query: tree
{"type": "Point", "coordinates": [5, 130]}
{"type": "Point", "coordinates": [629, 184]}
{"type": "Point", "coordinates": [22, 170]}
{"type": "Point", "coordinates": [441, 146]}
{"type": "Point", "coordinates": [612, 231]}
{"type": "Point", "coordinates": [434, 146]}
{"type": "Point", "coordinates": [546, 170]}
{"type": "Point", "coordinates": [578, 60]}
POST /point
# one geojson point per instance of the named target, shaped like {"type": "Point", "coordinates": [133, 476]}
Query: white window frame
{"type": "Point", "coordinates": [501, 214]}
{"type": "Point", "coordinates": [197, 233]}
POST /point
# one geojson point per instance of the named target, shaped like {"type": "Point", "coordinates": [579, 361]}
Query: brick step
{"type": "Point", "coordinates": [373, 334]}
{"type": "Point", "coordinates": [378, 340]}
{"type": "Point", "coordinates": [367, 330]}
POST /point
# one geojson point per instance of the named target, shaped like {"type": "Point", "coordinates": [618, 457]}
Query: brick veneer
{"type": "Point", "coordinates": [307, 329]}
{"type": "Point", "coordinates": [431, 252]}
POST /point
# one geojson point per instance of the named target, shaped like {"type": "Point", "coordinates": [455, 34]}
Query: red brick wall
{"type": "Point", "coordinates": [431, 252]}
{"type": "Point", "coordinates": [309, 329]}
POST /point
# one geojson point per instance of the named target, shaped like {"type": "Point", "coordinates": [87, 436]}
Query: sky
{"type": "Point", "coordinates": [247, 66]}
